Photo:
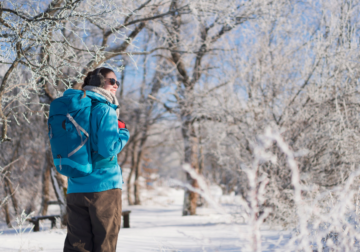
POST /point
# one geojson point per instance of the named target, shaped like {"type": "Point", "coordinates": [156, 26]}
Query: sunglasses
{"type": "Point", "coordinates": [113, 82]}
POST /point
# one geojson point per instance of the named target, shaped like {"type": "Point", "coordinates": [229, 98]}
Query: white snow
{"type": "Point", "coordinates": [157, 225]}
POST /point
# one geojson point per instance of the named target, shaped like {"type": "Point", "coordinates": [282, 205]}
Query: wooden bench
{"type": "Point", "coordinates": [35, 220]}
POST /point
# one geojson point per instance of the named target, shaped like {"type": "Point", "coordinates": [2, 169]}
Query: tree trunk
{"type": "Point", "coordinates": [201, 164]}
{"type": "Point", "coordinates": [138, 165]}
{"type": "Point", "coordinates": [7, 213]}
{"type": "Point", "coordinates": [136, 158]}
{"type": "Point", "coordinates": [8, 188]}
{"type": "Point", "coordinates": [132, 168]}
{"type": "Point", "coordinates": [128, 186]}
{"type": "Point", "coordinates": [45, 186]}
{"type": "Point", "coordinates": [11, 192]}
{"type": "Point", "coordinates": [6, 206]}
{"type": "Point", "coordinates": [201, 158]}
{"type": "Point", "coordinates": [190, 149]}
{"type": "Point", "coordinates": [137, 183]}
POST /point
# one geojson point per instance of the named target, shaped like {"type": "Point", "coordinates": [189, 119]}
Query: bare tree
{"type": "Point", "coordinates": [190, 41]}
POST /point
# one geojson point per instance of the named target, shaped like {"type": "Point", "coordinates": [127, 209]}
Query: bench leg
{"type": "Point", "coordinates": [127, 221]}
{"type": "Point", "coordinates": [53, 223]}
{"type": "Point", "coordinates": [37, 226]}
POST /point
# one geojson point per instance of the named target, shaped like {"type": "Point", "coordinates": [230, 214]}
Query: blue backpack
{"type": "Point", "coordinates": [69, 127]}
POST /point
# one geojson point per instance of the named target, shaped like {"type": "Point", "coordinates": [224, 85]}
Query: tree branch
{"type": "Point", "coordinates": [115, 51]}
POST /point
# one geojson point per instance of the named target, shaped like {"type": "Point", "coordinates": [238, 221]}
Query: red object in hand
{"type": "Point", "coordinates": [121, 124]}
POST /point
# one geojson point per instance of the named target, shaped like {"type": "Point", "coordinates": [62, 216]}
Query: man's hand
{"type": "Point", "coordinates": [121, 124]}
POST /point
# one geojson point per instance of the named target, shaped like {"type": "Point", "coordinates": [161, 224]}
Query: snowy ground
{"type": "Point", "coordinates": [157, 225]}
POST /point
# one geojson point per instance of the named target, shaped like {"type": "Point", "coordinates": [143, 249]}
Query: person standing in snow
{"type": "Point", "coordinates": [94, 201]}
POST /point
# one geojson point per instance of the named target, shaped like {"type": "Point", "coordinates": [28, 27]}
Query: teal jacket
{"type": "Point", "coordinates": [106, 141]}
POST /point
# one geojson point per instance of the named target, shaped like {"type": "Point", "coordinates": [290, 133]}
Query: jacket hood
{"type": "Point", "coordinates": [92, 95]}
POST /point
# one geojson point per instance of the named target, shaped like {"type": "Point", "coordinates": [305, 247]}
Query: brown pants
{"type": "Point", "coordinates": [94, 221]}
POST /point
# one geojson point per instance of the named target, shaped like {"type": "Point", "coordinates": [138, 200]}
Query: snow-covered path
{"type": "Point", "coordinates": [155, 227]}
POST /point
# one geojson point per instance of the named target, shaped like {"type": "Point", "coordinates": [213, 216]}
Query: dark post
{"type": "Point", "coordinates": [126, 215]}
{"type": "Point", "coordinates": [36, 223]}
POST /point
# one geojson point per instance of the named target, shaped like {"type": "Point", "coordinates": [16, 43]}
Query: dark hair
{"type": "Point", "coordinates": [103, 71]}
